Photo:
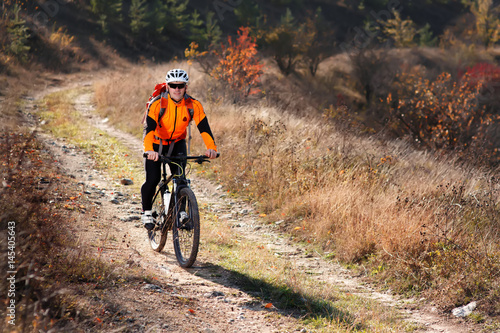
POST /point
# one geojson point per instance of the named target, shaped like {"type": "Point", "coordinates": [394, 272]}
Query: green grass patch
{"type": "Point", "coordinates": [63, 121]}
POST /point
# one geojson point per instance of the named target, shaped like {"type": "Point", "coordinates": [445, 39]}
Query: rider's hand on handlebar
{"type": "Point", "coordinates": [152, 155]}
{"type": "Point", "coordinates": [210, 153]}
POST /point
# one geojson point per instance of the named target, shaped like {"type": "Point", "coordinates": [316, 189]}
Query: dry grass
{"type": "Point", "coordinates": [13, 85]}
{"type": "Point", "coordinates": [275, 279]}
{"type": "Point", "coordinates": [48, 263]}
{"type": "Point", "coordinates": [367, 200]}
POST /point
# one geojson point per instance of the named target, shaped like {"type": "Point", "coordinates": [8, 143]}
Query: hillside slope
{"type": "Point", "coordinates": [130, 288]}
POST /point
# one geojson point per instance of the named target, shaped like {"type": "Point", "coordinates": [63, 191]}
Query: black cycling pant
{"type": "Point", "coordinates": [153, 172]}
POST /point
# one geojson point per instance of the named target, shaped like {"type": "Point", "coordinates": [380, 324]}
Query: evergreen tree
{"type": "Point", "coordinates": [213, 31]}
{"type": "Point", "coordinates": [248, 14]}
{"type": "Point", "coordinates": [285, 44]}
{"type": "Point", "coordinates": [157, 16]}
{"type": "Point", "coordinates": [109, 8]}
{"type": "Point", "coordinates": [317, 35]}
{"type": "Point", "coordinates": [196, 28]}
{"type": "Point", "coordinates": [426, 38]}
{"type": "Point", "coordinates": [177, 18]}
{"type": "Point", "coordinates": [18, 35]}
{"type": "Point", "coordinates": [205, 33]}
{"type": "Point", "coordinates": [107, 11]}
{"type": "Point", "coordinates": [137, 15]}
{"type": "Point", "coordinates": [487, 21]}
{"type": "Point", "coordinates": [401, 32]}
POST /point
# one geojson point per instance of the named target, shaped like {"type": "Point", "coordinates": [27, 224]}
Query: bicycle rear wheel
{"type": "Point", "coordinates": [186, 228]}
{"type": "Point", "coordinates": [158, 236]}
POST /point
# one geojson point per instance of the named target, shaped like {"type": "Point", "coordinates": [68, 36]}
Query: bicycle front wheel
{"type": "Point", "coordinates": [158, 236]}
{"type": "Point", "coordinates": [186, 228]}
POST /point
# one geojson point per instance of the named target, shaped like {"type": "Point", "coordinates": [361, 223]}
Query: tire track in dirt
{"type": "Point", "coordinates": [197, 299]}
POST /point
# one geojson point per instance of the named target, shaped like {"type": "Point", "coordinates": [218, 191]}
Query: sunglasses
{"type": "Point", "coordinates": [177, 85]}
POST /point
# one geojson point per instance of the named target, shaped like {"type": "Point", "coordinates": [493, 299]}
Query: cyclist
{"type": "Point", "coordinates": [165, 133]}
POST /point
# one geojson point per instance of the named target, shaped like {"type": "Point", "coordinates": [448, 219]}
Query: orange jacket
{"type": "Point", "coordinates": [174, 122]}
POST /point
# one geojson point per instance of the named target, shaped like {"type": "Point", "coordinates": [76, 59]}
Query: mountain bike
{"type": "Point", "coordinates": [176, 210]}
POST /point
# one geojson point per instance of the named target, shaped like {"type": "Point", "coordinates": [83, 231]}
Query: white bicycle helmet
{"type": "Point", "coordinates": [177, 75]}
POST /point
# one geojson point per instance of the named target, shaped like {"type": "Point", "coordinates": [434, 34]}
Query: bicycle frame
{"type": "Point", "coordinates": [178, 182]}
{"type": "Point", "coordinates": [182, 210]}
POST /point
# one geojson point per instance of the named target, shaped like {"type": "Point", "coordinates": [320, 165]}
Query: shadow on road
{"type": "Point", "coordinates": [278, 297]}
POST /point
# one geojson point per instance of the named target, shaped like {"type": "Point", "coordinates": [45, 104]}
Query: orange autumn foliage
{"type": "Point", "coordinates": [238, 65]}
{"type": "Point", "coordinates": [443, 114]}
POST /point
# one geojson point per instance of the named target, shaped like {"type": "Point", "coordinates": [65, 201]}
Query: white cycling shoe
{"type": "Point", "coordinates": [147, 220]}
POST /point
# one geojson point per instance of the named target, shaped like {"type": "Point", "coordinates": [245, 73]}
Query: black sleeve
{"type": "Point", "coordinates": [204, 127]}
{"type": "Point", "coordinates": [150, 124]}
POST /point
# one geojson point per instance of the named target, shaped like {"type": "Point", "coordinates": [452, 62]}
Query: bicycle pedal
{"type": "Point", "coordinates": [149, 226]}
{"type": "Point", "coordinates": [184, 221]}
{"type": "Point", "coordinates": [183, 216]}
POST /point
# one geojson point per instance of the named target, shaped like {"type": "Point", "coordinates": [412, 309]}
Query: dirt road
{"type": "Point", "coordinates": [203, 298]}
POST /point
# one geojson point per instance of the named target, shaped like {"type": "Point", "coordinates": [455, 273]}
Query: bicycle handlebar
{"type": "Point", "coordinates": [198, 159]}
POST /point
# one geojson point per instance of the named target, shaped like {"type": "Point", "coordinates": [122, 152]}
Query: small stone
{"type": "Point", "coordinates": [215, 294]}
{"type": "Point", "coordinates": [153, 287]}
{"type": "Point", "coordinates": [465, 310]}
{"type": "Point", "coordinates": [126, 181]}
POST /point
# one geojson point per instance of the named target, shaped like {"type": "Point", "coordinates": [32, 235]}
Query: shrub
{"type": "Point", "coordinates": [238, 65]}
{"type": "Point", "coordinates": [442, 114]}
{"type": "Point", "coordinates": [373, 71]}
{"type": "Point", "coordinates": [32, 193]}
{"type": "Point", "coordinates": [488, 76]}
{"type": "Point", "coordinates": [206, 59]}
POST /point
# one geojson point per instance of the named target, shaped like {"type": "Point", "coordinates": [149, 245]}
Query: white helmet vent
{"type": "Point", "coordinates": [177, 75]}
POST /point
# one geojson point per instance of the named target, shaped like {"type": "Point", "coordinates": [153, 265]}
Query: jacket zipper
{"type": "Point", "coordinates": [175, 124]}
